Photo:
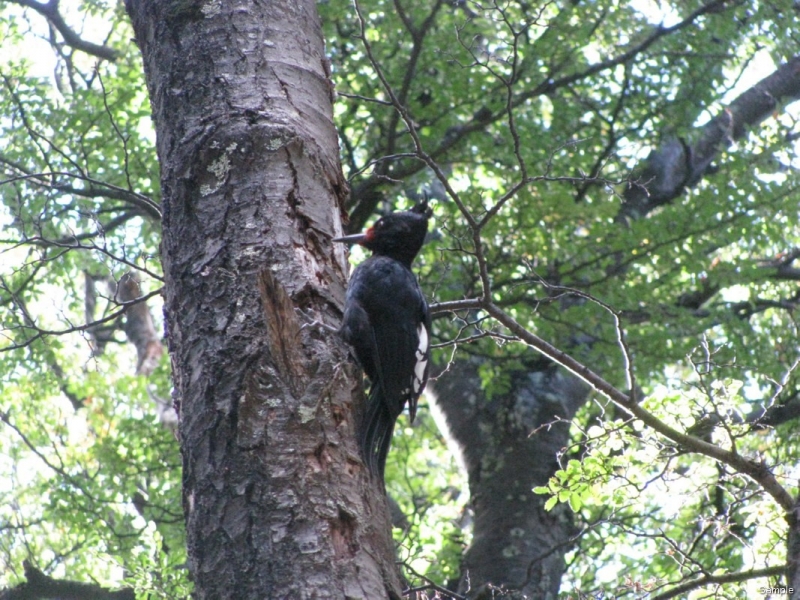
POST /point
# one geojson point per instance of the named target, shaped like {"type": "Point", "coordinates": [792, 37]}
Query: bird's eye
{"type": "Point", "coordinates": [378, 224]}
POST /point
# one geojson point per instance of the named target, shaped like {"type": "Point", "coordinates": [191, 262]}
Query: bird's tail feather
{"type": "Point", "coordinates": [376, 432]}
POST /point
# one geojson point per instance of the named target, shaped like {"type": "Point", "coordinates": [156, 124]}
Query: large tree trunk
{"type": "Point", "coordinates": [277, 501]}
{"type": "Point", "coordinates": [509, 445]}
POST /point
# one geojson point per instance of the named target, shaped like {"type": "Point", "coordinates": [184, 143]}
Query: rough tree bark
{"type": "Point", "coordinates": [277, 501]}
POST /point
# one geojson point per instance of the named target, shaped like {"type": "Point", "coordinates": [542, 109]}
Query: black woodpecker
{"type": "Point", "coordinates": [388, 324]}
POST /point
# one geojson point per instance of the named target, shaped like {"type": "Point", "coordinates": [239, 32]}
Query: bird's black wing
{"type": "Point", "coordinates": [384, 311]}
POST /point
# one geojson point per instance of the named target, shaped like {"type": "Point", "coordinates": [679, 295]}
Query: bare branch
{"type": "Point", "coordinates": [439, 308]}
{"type": "Point", "coordinates": [755, 470]}
{"type": "Point", "coordinates": [628, 401]}
{"type": "Point", "coordinates": [49, 10]}
{"type": "Point", "coordinates": [96, 189]}
{"type": "Point", "coordinates": [42, 333]}
{"type": "Point", "coordinates": [441, 592]}
{"type": "Point", "coordinates": [683, 588]}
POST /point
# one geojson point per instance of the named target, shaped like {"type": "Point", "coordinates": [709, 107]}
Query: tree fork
{"type": "Point", "coordinates": [277, 502]}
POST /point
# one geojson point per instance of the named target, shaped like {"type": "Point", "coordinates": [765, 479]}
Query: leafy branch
{"type": "Point", "coordinates": [750, 108]}
{"type": "Point", "coordinates": [681, 589]}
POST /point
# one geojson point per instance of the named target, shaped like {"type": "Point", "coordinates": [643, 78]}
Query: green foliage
{"type": "Point", "coordinates": [563, 230]}
{"type": "Point", "coordinates": [707, 322]}
{"type": "Point", "coordinates": [92, 485]}
{"type": "Point", "coordinates": [424, 480]}
{"type": "Point", "coordinates": [93, 493]}
{"type": "Point", "coordinates": [641, 497]}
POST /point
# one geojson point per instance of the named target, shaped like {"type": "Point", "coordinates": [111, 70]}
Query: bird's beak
{"type": "Point", "coordinates": [356, 238]}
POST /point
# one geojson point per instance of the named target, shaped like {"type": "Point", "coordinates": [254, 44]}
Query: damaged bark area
{"type": "Point", "coordinates": [278, 503]}
{"type": "Point", "coordinates": [139, 326]}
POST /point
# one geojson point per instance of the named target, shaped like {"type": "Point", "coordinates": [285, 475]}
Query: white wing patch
{"type": "Point", "coordinates": [422, 359]}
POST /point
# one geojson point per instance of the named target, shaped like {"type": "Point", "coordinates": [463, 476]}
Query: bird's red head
{"type": "Point", "coordinates": [398, 235]}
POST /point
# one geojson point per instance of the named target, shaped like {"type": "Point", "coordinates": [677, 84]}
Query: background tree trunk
{"type": "Point", "coordinates": [509, 445]}
{"type": "Point", "coordinates": [277, 501]}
